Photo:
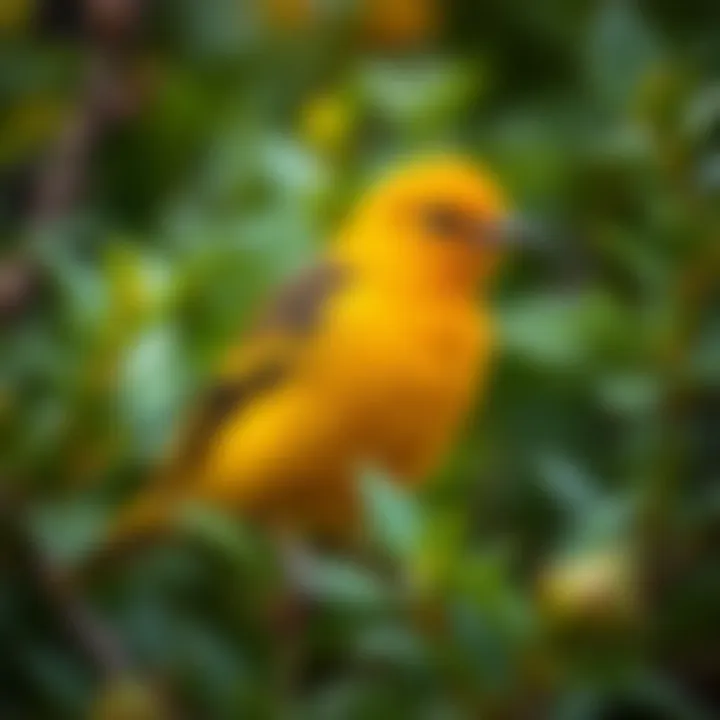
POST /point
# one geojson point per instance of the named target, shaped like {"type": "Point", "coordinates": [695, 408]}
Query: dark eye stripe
{"type": "Point", "coordinates": [446, 221]}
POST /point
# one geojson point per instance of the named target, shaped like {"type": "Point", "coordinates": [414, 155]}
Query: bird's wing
{"type": "Point", "coordinates": [266, 359]}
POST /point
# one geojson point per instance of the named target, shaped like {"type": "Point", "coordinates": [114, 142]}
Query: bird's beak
{"type": "Point", "coordinates": [510, 232]}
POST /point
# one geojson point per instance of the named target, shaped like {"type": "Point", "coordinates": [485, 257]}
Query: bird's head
{"type": "Point", "coordinates": [438, 223]}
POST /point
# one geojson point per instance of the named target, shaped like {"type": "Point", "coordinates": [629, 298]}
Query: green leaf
{"type": "Point", "coordinates": [702, 114]}
{"type": "Point", "coordinates": [544, 331]}
{"type": "Point", "coordinates": [69, 530]}
{"type": "Point", "coordinates": [621, 48]}
{"type": "Point", "coordinates": [394, 517]}
{"type": "Point", "coordinates": [343, 583]}
{"type": "Point", "coordinates": [580, 703]}
{"type": "Point", "coordinates": [222, 532]}
{"type": "Point", "coordinates": [418, 94]}
{"type": "Point", "coordinates": [392, 643]}
{"type": "Point", "coordinates": [152, 385]}
{"type": "Point", "coordinates": [568, 484]}
{"type": "Point", "coordinates": [661, 694]}
{"type": "Point", "coordinates": [630, 394]}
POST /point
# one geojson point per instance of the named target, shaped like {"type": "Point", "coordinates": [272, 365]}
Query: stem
{"type": "Point", "coordinates": [95, 641]}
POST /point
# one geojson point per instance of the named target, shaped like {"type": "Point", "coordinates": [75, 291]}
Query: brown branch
{"type": "Point", "coordinates": [96, 641]}
{"type": "Point", "coordinates": [73, 614]}
{"type": "Point", "coordinates": [108, 97]}
{"type": "Point", "coordinates": [64, 177]}
{"type": "Point", "coordinates": [19, 285]}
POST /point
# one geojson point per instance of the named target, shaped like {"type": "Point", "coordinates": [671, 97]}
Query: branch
{"type": "Point", "coordinates": [95, 641]}
{"type": "Point", "coordinates": [107, 98]}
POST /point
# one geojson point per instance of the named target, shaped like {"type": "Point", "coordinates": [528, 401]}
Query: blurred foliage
{"type": "Point", "coordinates": [565, 564]}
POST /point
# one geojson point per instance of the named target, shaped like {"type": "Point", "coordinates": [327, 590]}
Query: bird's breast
{"type": "Point", "coordinates": [408, 374]}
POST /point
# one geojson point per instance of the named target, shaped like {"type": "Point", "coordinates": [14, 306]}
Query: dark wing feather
{"type": "Point", "coordinates": [297, 308]}
{"type": "Point", "coordinates": [295, 313]}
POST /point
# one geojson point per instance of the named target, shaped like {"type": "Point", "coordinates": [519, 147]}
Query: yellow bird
{"type": "Point", "coordinates": [369, 358]}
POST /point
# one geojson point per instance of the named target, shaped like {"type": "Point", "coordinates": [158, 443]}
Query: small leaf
{"type": "Point", "coordinates": [342, 582]}
{"type": "Point", "coordinates": [68, 531]}
{"type": "Point", "coordinates": [221, 532]}
{"type": "Point", "coordinates": [630, 394]}
{"type": "Point", "coordinates": [581, 703]}
{"type": "Point", "coordinates": [419, 94]}
{"type": "Point", "coordinates": [661, 694]}
{"type": "Point", "coordinates": [391, 643]}
{"type": "Point", "coordinates": [393, 516]}
{"type": "Point", "coordinates": [544, 330]}
{"type": "Point", "coordinates": [702, 115]}
{"type": "Point", "coordinates": [707, 174]}
{"type": "Point", "coordinates": [620, 50]}
{"type": "Point", "coordinates": [567, 484]}
{"type": "Point", "coordinates": [152, 380]}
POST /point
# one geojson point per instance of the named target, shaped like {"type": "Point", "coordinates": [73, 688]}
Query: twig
{"type": "Point", "coordinates": [101, 649]}
{"type": "Point", "coordinates": [19, 284]}
{"type": "Point", "coordinates": [107, 98]}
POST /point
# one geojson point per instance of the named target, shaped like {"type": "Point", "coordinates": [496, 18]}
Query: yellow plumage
{"type": "Point", "coordinates": [372, 358]}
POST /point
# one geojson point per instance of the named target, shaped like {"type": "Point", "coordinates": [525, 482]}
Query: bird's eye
{"type": "Point", "coordinates": [445, 221]}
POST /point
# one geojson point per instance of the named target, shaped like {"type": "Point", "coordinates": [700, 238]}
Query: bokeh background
{"type": "Point", "coordinates": [164, 163]}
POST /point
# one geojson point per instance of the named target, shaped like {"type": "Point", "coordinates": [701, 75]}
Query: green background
{"type": "Point", "coordinates": [565, 563]}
